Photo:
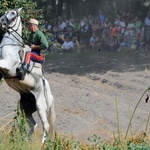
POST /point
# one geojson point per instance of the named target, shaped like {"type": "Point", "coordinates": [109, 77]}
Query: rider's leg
{"type": "Point", "coordinates": [33, 57]}
{"type": "Point", "coordinates": [25, 66]}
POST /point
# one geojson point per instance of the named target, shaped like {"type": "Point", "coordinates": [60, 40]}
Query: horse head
{"type": "Point", "coordinates": [8, 19]}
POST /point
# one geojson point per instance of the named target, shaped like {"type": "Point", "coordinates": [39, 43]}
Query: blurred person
{"type": "Point", "coordinates": [86, 32]}
{"type": "Point", "coordinates": [102, 17]}
{"type": "Point", "coordinates": [122, 26]}
{"type": "Point", "coordinates": [113, 44]}
{"type": "Point", "coordinates": [77, 46]}
{"type": "Point", "coordinates": [134, 43]}
{"type": "Point", "coordinates": [147, 29]}
{"type": "Point", "coordinates": [68, 30]}
{"type": "Point", "coordinates": [105, 40]}
{"type": "Point", "coordinates": [95, 42]}
{"type": "Point", "coordinates": [124, 43]}
{"type": "Point", "coordinates": [141, 44]}
{"type": "Point", "coordinates": [106, 26]}
{"type": "Point", "coordinates": [138, 27]}
{"type": "Point", "coordinates": [96, 27]}
{"type": "Point", "coordinates": [117, 20]}
{"type": "Point", "coordinates": [68, 44]}
{"type": "Point", "coordinates": [60, 37]}
{"type": "Point", "coordinates": [90, 18]}
{"type": "Point", "coordinates": [48, 26]}
{"type": "Point", "coordinates": [130, 29]}
{"type": "Point", "coordinates": [113, 31]}
{"type": "Point", "coordinates": [76, 29]}
{"type": "Point", "coordinates": [61, 23]}
{"type": "Point", "coordinates": [58, 34]}
{"type": "Point", "coordinates": [55, 29]}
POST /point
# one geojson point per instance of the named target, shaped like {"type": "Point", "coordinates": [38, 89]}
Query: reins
{"type": "Point", "coordinates": [20, 41]}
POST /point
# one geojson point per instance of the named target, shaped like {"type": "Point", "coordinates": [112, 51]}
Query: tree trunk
{"type": "Point", "coordinates": [60, 8]}
{"type": "Point", "coordinates": [68, 8]}
{"type": "Point", "coordinates": [54, 8]}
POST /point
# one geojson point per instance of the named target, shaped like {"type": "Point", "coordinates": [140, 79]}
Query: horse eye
{"type": "Point", "coordinates": [13, 13]}
{"type": "Point", "coordinates": [2, 19]}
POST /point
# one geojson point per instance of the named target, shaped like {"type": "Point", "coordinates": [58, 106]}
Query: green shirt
{"type": "Point", "coordinates": [38, 38]}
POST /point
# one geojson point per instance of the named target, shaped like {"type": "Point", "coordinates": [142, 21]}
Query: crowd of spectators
{"type": "Point", "coordinates": [125, 32]}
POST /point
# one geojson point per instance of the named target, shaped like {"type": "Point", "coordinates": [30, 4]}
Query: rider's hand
{"type": "Point", "coordinates": [35, 46]}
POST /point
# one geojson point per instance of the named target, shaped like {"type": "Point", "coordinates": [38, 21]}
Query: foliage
{"type": "Point", "coordinates": [79, 8]}
{"type": "Point", "coordinates": [64, 143]}
{"type": "Point", "coordinates": [141, 146]}
{"type": "Point", "coordinates": [28, 11]}
{"type": "Point", "coordinates": [19, 126]}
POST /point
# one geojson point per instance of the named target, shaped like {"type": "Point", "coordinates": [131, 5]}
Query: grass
{"type": "Point", "coordinates": [140, 142]}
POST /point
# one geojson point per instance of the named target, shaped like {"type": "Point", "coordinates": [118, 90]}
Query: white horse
{"type": "Point", "coordinates": [34, 90]}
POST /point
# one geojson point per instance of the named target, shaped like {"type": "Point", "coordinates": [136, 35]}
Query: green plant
{"type": "Point", "coordinates": [95, 141]}
{"type": "Point", "coordinates": [147, 90]}
{"type": "Point", "coordinates": [19, 126]}
{"type": "Point", "coordinates": [117, 113]}
{"type": "Point", "coordinates": [28, 11]}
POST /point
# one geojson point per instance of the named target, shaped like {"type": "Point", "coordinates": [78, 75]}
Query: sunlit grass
{"type": "Point", "coordinates": [62, 142]}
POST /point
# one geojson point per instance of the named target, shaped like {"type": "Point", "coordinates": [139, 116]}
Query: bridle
{"type": "Point", "coordinates": [11, 20]}
{"type": "Point", "coordinates": [10, 29]}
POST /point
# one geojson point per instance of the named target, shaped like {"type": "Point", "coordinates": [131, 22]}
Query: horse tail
{"type": "Point", "coordinates": [52, 120]}
{"type": "Point", "coordinates": [51, 108]}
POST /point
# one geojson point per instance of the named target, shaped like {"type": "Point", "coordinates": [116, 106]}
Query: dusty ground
{"type": "Point", "coordinates": [86, 87]}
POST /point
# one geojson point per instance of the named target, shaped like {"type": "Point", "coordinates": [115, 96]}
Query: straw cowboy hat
{"type": "Point", "coordinates": [33, 21]}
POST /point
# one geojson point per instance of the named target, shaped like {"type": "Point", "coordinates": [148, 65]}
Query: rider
{"type": "Point", "coordinates": [38, 42]}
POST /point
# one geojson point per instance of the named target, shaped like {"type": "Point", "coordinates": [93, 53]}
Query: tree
{"type": "Point", "coordinates": [28, 11]}
{"type": "Point", "coordinates": [68, 8]}
{"type": "Point", "coordinates": [60, 8]}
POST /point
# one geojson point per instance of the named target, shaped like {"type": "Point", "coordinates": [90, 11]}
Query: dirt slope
{"type": "Point", "coordinates": [86, 87]}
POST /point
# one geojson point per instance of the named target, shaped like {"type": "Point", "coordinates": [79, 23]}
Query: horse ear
{"type": "Point", "coordinates": [19, 10]}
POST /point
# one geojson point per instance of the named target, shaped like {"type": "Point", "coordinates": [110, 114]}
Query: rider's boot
{"type": "Point", "coordinates": [22, 71]}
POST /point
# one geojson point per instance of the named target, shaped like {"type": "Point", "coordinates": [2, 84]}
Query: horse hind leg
{"type": "Point", "coordinates": [43, 116]}
{"type": "Point", "coordinates": [42, 111]}
{"type": "Point", "coordinates": [51, 120]}
{"type": "Point", "coordinates": [45, 109]}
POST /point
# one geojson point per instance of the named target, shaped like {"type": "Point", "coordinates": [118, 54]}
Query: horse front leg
{"type": "Point", "coordinates": [32, 125]}
{"type": "Point", "coordinates": [10, 58]}
{"type": "Point", "coordinates": [5, 64]}
{"type": "Point", "coordinates": [28, 106]}
{"type": "Point", "coordinates": [8, 66]}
